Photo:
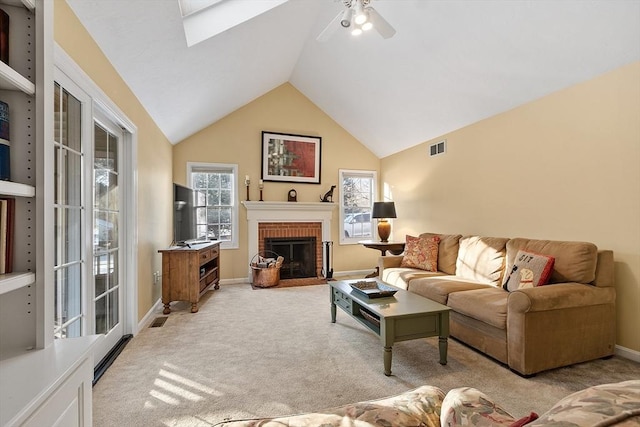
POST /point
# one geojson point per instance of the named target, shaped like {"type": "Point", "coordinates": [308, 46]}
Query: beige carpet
{"type": "Point", "coordinates": [249, 354]}
{"type": "Point", "coordinates": [288, 283]}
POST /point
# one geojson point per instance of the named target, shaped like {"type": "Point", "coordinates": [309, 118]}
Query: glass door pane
{"type": "Point", "coordinates": [68, 211]}
{"type": "Point", "coordinates": [106, 218]}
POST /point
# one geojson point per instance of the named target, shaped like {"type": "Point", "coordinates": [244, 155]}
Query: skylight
{"type": "Point", "coordinates": [203, 19]}
{"type": "Point", "coordinates": [187, 7]}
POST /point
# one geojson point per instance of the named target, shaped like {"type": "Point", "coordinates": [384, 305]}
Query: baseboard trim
{"type": "Point", "coordinates": [150, 316]}
{"type": "Point", "coordinates": [627, 353]}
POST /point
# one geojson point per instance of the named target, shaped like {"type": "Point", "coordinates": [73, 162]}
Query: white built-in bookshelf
{"type": "Point", "coordinates": [18, 289]}
{"type": "Point", "coordinates": [43, 381]}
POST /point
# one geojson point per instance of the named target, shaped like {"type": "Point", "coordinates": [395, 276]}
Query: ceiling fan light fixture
{"type": "Point", "coordinates": [360, 19]}
{"type": "Point", "coordinates": [360, 16]}
{"type": "Point", "coordinates": [346, 18]}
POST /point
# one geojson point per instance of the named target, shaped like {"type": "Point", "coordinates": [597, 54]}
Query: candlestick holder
{"type": "Point", "coordinates": [261, 195]}
{"type": "Point", "coordinates": [246, 183]}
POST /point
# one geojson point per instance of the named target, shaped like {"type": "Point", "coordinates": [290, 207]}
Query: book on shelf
{"type": "Point", "coordinates": [7, 219]}
{"type": "Point", "coordinates": [11, 218]}
{"type": "Point", "coordinates": [3, 235]}
{"type": "Point", "coordinates": [5, 146]}
{"type": "Point", "coordinates": [4, 37]}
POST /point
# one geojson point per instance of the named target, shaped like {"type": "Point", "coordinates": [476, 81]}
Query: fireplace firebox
{"type": "Point", "coordinates": [299, 255]}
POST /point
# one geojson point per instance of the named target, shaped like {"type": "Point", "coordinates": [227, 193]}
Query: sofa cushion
{"type": "Point", "coordinates": [488, 305]}
{"type": "Point", "coordinates": [467, 406]}
{"type": "Point", "coordinates": [574, 261]}
{"type": "Point", "coordinates": [419, 407]}
{"type": "Point", "coordinates": [481, 259]}
{"type": "Point", "coordinates": [421, 252]}
{"type": "Point", "coordinates": [438, 288]}
{"type": "Point", "coordinates": [601, 405]}
{"type": "Point", "coordinates": [400, 277]}
{"type": "Point", "coordinates": [447, 251]}
{"type": "Point", "coordinates": [528, 271]}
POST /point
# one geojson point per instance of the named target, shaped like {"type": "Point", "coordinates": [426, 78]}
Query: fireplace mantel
{"type": "Point", "coordinates": [258, 212]}
{"type": "Point", "coordinates": [287, 207]}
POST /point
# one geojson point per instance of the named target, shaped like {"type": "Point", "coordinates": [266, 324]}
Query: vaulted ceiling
{"type": "Point", "coordinates": [451, 62]}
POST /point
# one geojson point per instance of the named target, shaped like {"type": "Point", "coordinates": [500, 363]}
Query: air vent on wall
{"type": "Point", "coordinates": [437, 148]}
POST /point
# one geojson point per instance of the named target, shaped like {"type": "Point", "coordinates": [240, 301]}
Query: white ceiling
{"type": "Point", "coordinates": [450, 64]}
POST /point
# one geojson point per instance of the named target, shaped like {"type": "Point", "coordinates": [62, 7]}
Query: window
{"type": "Point", "coordinates": [358, 191]}
{"type": "Point", "coordinates": [219, 183]}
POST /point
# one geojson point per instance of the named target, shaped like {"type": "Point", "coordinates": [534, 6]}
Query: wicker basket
{"type": "Point", "coordinates": [265, 277]}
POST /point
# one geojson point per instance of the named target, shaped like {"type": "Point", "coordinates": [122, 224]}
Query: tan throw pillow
{"type": "Point", "coordinates": [421, 252]}
{"type": "Point", "coordinates": [528, 271]}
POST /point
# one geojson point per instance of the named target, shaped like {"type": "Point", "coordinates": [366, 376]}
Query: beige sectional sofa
{"type": "Point", "coordinates": [570, 320]}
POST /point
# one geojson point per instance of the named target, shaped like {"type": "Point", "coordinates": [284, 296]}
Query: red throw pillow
{"type": "Point", "coordinates": [528, 271]}
{"type": "Point", "coordinates": [421, 252]}
{"type": "Point", "coordinates": [524, 420]}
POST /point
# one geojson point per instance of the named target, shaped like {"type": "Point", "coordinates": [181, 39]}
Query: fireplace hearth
{"type": "Point", "coordinates": [299, 255]}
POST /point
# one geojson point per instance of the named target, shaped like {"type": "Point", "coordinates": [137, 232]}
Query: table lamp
{"type": "Point", "coordinates": [383, 211]}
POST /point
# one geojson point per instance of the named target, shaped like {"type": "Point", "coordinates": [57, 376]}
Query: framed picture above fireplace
{"type": "Point", "coordinates": [291, 158]}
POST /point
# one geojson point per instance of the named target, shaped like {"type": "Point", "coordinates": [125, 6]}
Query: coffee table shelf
{"type": "Point", "coordinates": [404, 316]}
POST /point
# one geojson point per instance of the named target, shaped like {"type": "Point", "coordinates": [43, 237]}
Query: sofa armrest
{"type": "Point", "coordinates": [600, 405]}
{"type": "Point", "coordinates": [389, 261]}
{"type": "Point", "coordinates": [605, 275]}
{"type": "Point", "coordinates": [559, 296]}
{"type": "Point", "coordinates": [576, 321]}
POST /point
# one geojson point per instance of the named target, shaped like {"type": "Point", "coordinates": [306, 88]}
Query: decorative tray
{"type": "Point", "coordinates": [373, 289]}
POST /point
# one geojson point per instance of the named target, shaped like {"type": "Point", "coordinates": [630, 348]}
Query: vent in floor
{"type": "Point", "coordinates": [438, 148]}
{"type": "Point", "coordinates": [158, 322]}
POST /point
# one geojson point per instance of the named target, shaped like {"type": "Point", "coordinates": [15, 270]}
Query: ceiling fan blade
{"type": "Point", "coordinates": [330, 29]}
{"type": "Point", "coordinates": [380, 24]}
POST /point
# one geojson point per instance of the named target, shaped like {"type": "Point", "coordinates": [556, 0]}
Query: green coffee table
{"type": "Point", "coordinates": [404, 316]}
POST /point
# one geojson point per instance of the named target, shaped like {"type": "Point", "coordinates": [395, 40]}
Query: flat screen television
{"type": "Point", "coordinates": [188, 206]}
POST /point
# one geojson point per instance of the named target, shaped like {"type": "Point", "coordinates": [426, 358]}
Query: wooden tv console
{"type": "Point", "coordinates": [188, 272]}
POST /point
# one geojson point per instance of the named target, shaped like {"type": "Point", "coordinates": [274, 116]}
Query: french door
{"type": "Point", "coordinates": [88, 206]}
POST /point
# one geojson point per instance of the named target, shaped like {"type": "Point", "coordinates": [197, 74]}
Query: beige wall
{"type": "Point", "coordinates": [154, 151]}
{"type": "Point", "coordinates": [564, 167]}
{"type": "Point", "coordinates": [237, 139]}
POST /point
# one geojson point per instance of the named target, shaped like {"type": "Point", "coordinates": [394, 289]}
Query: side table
{"type": "Point", "coordinates": [188, 272]}
{"type": "Point", "coordinates": [396, 248]}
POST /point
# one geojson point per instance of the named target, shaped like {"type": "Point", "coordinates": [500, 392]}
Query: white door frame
{"type": "Point", "coordinates": [64, 64]}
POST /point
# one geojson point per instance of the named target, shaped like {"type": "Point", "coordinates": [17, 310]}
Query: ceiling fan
{"type": "Point", "coordinates": [358, 17]}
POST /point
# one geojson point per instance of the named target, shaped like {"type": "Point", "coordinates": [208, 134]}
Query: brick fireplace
{"type": "Point", "coordinates": [293, 230]}
{"type": "Point", "coordinates": [288, 219]}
